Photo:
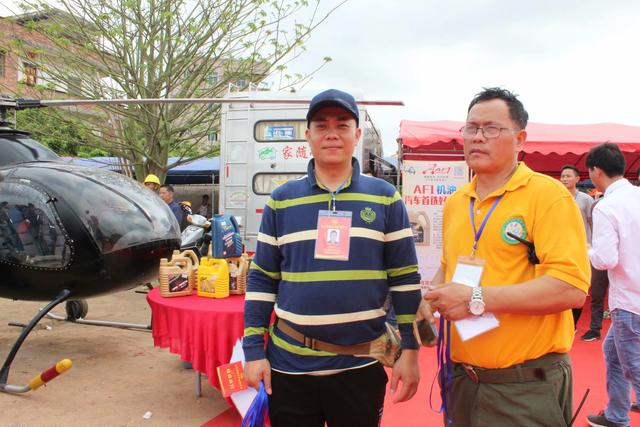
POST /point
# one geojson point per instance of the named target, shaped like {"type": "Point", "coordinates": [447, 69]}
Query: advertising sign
{"type": "Point", "coordinates": [425, 187]}
{"type": "Point", "coordinates": [280, 133]}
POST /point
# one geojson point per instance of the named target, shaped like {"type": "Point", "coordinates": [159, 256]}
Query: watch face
{"type": "Point", "coordinates": [476, 307]}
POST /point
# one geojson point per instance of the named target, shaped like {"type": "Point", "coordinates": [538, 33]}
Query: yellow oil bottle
{"type": "Point", "coordinates": [213, 278]}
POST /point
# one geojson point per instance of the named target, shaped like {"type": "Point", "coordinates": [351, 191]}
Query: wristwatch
{"type": "Point", "coordinates": [476, 303]}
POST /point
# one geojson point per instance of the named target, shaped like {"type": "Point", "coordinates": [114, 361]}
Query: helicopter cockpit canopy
{"type": "Point", "coordinates": [30, 231]}
{"type": "Point", "coordinates": [116, 211]}
{"type": "Point", "coordinates": [18, 147]}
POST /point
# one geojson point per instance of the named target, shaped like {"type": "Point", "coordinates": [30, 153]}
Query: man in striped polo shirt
{"type": "Point", "coordinates": [331, 289]}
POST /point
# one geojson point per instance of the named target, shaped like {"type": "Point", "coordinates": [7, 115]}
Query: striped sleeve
{"type": "Point", "coordinates": [262, 287]}
{"type": "Point", "coordinates": [402, 270]}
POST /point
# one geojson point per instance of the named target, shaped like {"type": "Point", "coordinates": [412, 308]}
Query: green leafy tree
{"type": "Point", "coordinates": [138, 49]}
{"type": "Point", "coordinates": [67, 137]}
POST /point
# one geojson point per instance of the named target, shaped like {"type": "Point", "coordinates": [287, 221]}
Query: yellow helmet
{"type": "Point", "coordinates": [186, 202]}
{"type": "Point", "coordinates": [152, 178]}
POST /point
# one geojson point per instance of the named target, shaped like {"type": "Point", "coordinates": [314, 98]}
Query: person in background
{"type": "Point", "coordinates": [166, 194]}
{"type": "Point", "coordinates": [616, 220]}
{"type": "Point", "coordinates": [570, 176]}
{"type": "Point", "coordinates": [518, 373]}
{"type": "Point", "coordinates": [204, 206]}
{"type": "Point", "coordinates": [152, 182]}
{"type": "Point", "coordinates": [330, 303]}
{"type": "Point", "coordinates": [599, 286]}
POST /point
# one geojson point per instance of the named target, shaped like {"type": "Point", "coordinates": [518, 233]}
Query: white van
{"type": "Point", "coordinates": [263, 146]}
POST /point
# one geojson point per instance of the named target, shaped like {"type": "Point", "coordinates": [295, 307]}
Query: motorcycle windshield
{"type": "Point", "coordinates": [191, 235]}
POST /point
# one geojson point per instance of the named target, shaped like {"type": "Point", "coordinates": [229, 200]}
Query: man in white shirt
{"type": "Point", "coordinates": [616, 221]}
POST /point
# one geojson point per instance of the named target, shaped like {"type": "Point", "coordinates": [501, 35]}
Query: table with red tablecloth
{"type": "Point", "coordinates": [201, 330]}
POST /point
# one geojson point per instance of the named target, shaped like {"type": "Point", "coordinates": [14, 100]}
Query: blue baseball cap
{"type": "Point", "coordinates": [334, 98]}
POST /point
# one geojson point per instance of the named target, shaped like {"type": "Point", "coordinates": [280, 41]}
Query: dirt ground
{"type": "Point", "coordinates": [117, 375]}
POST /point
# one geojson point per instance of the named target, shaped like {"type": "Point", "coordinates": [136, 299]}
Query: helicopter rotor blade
{"type": "Point", "coordinates": [33, 103]}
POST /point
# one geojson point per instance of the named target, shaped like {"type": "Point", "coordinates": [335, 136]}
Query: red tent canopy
{"type": "Point", "coordinates": [547, 149]}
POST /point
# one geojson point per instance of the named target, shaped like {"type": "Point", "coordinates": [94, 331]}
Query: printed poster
{"type": "Point", "coordinates": [426, 185]}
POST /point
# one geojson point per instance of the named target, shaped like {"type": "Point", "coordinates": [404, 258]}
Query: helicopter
{"type": "Point", "coordinates": [71, 232]}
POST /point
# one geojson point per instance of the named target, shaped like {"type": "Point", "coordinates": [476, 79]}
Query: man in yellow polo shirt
{"type": "Point", "coordinates": [516, 372]}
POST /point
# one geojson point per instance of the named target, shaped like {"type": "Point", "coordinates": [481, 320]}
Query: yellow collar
{"type": "Point", "coordinates": [520, 178]}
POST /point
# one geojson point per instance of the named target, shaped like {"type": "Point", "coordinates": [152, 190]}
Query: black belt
{"type": "Point", "coordinates": [516, 374]}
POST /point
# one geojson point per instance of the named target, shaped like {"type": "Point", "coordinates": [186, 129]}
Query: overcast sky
{"type": "Point", "coordinates": [571, 61]}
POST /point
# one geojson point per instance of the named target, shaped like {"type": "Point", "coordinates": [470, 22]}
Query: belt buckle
{"type": "Point", "coordinates": [309, 342]}
{"type": "Point", "coordinates": [471, 373]}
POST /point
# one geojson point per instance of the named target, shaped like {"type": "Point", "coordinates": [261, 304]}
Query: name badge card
{"type": "Point", "coordinates": [468, 272]}
{"type": "Point", "coordinates": [334, 235]}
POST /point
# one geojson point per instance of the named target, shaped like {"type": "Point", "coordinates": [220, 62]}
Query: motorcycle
{"type": "Point", "coordinates": [197, 236]}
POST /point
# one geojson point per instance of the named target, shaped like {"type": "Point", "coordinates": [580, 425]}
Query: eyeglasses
{"type": "Point", "coordinates": [469, 131]}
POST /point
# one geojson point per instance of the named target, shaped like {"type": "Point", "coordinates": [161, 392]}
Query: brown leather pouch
{"type": "Point", "coordinates": [386, 349]}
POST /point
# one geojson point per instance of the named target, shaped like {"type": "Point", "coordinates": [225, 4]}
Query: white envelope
{"type": "Point", "coordinates": [469, 275]}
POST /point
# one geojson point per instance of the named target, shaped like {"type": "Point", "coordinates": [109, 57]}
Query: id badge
{"type": "Point", "coordinates": [468, 271]}
{"type": "Point", "coordinates": [334, 235]}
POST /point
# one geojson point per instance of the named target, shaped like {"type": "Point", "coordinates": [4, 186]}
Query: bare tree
{"type": "Point", "coordinates": [166, 48]}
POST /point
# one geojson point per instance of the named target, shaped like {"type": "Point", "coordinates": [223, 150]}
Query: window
{"type": "Point", "coordinates": [265, 183]}
{"type": "Point", "coordinates": [280, 130]}
{"type": "Point", "coordinates": [213, 78]}
{"type": "Point", "coordinates": [213, 136]}
{"type": "Point", "coordinates": [30, 74]}
{"type": "Point", "coordinates": [3, 61]}
{"type": "Point", "coordinates": [30, 231]}
{"type": "Point", "coordinates": [241, 83]}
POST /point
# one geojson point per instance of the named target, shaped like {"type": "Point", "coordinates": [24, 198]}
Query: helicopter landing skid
{"type": "Point", "coordinates": [46, 375]}
{"type": "Point", "coordinates": [77, 309]}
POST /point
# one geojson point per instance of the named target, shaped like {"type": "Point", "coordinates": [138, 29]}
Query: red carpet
{"type": "Point", "coordinates": [588, 371]}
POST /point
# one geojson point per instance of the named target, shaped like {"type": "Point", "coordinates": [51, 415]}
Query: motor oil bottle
{"type": "Point", "coordinates": [176, 276]}
{"type": "Point", "coordinates": [240, 272]}
{"type": "Point", "coordinates": [226, 240]}
{"type": "Point", "coordinates": [195, 264]}
{"type": "Point", "coordinates": [233, 277]}
{"type": "Point", "coordinates": [213, 278]}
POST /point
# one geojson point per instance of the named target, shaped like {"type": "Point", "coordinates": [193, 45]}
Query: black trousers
{"type": "Point", "coordinates": [599, 286]}
{"type": "Point", "coordinates": [352, 398]}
